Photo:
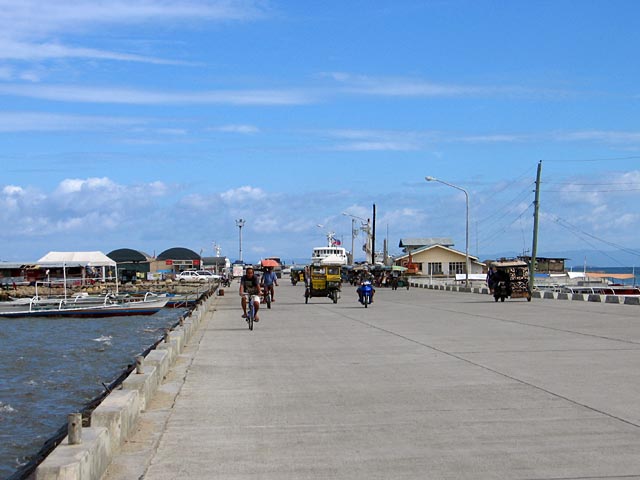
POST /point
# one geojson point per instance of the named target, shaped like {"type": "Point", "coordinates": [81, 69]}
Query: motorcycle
{"type": "Point", "coordinates": [366, 293]}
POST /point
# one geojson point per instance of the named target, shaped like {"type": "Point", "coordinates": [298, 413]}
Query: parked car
{"type": "Point", "coordinates": [196, 276]}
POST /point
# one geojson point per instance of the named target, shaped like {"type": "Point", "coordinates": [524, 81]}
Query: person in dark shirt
{"type": "Point", "coordinates": [249, 285]}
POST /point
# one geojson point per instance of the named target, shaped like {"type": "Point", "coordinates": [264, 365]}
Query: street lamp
{"type": "Point", "coordinates": [240, 223]}
{"type": "Point", "coordinates": [354, 234]}
{"type": "Point", "coordinates": [466, 251]}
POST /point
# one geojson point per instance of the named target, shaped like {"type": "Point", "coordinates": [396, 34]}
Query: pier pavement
{"type": "Point", "coordinates": [424, 384]}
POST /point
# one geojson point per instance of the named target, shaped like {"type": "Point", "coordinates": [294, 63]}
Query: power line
{"type": "Point", "coordinates": [605, 159]}
{"type": "Point", "coordinates": [487, 222]}
{"type": "Point", "coordinates": [566, 224]}
{"type": "Point", "coordinates": [504, 229]}
{"type": "Point", "coordinates": [617, 190]}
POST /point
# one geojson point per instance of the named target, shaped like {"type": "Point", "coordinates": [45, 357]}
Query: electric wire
{"type": "Point", "coordinates": [498, 232]}
{"type": "Point", "coordinates": [585, 240]}
{"type": "Point", "coordinates": [563, 222]}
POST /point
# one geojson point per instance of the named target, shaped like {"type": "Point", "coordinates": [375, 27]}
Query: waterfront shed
{"type": "Point", "coordinates": [132, 264]}
{"type": "Point", "coordinates": [177, 259]}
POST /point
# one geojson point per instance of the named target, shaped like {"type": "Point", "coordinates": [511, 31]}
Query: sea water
{"type": "Point", "coordinates": [54, 366]}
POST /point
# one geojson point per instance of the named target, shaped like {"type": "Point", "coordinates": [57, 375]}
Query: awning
{"type": "Point", "coordinates": [91, 259]}
{"type": "Point", "coordinates": [617, 276]}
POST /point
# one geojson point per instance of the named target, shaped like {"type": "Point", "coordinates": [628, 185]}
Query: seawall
{"type": "Point", "coordinates": [578, 297]}
{"type": "Point", "coordinates": [114, 420]}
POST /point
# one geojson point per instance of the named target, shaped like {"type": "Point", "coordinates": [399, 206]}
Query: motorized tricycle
{"type": "Point", "coordinates": [323, 281]}
{"type": "Point", "coordinates": [511, 279]}
{"type": "Point", "coordinates": [296, 274]}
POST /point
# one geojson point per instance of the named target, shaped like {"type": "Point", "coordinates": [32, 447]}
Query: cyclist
{"type": "Point", "coordinates": [269, 279]}
{"type": "Point", "coordinates": [249, 285]}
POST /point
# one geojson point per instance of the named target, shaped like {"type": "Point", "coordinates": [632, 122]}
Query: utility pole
{"type": "Point", "coordinates": [373, 238]}
{"type": "Point", "coordinates": [534, 246]}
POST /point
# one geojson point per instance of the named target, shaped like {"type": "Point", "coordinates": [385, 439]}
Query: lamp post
{"type": "Point", "coordinates": [466, 251]}
{"type": "Point", "coordinates": [365, 227]}
{"type": "Point", "coordinates": [240, 223]}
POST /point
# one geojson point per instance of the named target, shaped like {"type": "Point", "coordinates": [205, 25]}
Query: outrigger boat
{"type": "Point", "coordinates": [109, 307]}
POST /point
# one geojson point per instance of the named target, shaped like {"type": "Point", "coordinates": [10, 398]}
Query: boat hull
{"type": "Point", "coordinates": [96, 311]}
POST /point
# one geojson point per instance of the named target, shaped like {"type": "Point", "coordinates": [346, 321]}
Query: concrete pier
{"type": "Point", "coordinates": [423, 384]}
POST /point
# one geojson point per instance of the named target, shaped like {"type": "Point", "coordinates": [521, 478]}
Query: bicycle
{"type": "Point", "coordinates": [266, 289]}
{"type": "Point", "coordinates": [251, 310]}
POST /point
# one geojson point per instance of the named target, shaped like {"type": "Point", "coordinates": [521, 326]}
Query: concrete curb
{"type": "Point", "coordinates": [579, 297]}
{"type": "Point", "coordinates": [114, 420]}
{"type": "Point", "coordinates": [89, 459]}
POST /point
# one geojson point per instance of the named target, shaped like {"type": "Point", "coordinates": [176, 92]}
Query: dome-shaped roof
{"type": "Point", "coordinates": [178, 253]}
{"type": "Point", "coordinates": [123, 255]}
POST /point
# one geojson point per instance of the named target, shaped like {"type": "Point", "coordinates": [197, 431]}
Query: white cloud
{"type": "Point", "coordinates": [75, 185]}
{"type": "Point", "coordinates": [44, 122]}
{"type": "Point", "coordinates": [11, 50]}
{"type": "Point", "coordinates": [28, 27]}
{"type": "Point", "coordinates": [244, 129]}
{"type": "Point", "coordinates": [606, 136]}
{"type": "Point", "coordinates": [415, 87]}
{"type": "Point", "coordinates": [13, 190]}
{"type": "Point", "coordinates": [74, 93]}
{"type": "Point", "coordinates": [97, 205]}
{"type": "Point", "coordinates": [243, 194]}
{"type": "Point", "coordinates": [376, 146]}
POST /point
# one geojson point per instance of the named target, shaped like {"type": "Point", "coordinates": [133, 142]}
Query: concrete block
{"type": "Point", "coordinates": [118, 413]}
{"type": "Point", "coordinates": [170, 348]}
{"type": "Point", "coordinates": [632, 300]}
{"type": "Point", "coordinates": [594, 298]}
{"type": "Point", "coordinates": [160, 360]}
{"type": "Point", "coordinates": [145, 383]}
{"type": "Point", "coordinates": [577, 296]}
{"type": "Point", "coordinates": [178, 337]}
{"type": "Point", "coordinates": [549, 295]}
{"type": "Point", "coordinates": [88, 460]}
{"type": "Point", "coordinates": [612, 299]}
{"type": "Point", "coordinates": [563, 296]}
{"type": "Point", "coordinates": [536, 294]}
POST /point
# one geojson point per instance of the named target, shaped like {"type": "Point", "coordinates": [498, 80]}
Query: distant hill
{"type": "Point", "coordinates": [576, 258]}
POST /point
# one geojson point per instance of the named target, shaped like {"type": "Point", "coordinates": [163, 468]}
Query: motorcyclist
{"type": "Point", "coordinates": [491, 278]}
{"type": "Point", "coordinates": [502, 275]}
{"type": "Point", "coordinates": [360, 290]}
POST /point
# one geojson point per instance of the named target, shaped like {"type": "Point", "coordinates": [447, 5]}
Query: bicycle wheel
{"type": "Point", "coordinates": [250, 315]}
{"type": "Point", "coordinates": [268, 299]}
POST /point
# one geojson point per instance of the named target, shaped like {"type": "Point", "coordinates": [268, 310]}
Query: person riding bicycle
{"type": "Point", "coordinates": [269, 279]}
{"type": "Point", "coordinates": [249, 285]}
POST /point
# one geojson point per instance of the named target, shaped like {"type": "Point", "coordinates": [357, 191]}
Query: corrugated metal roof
{"type": "Point", "coordinates": [425, 242]}
{"type": "Point", "coordinates": [178, 253]}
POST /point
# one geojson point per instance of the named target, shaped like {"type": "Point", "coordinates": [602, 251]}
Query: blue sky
{"type": "Point", "coordinates": [154, 124]}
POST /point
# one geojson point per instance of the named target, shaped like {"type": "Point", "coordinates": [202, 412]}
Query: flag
{"type": "Point", "coordinates": [336, 242]}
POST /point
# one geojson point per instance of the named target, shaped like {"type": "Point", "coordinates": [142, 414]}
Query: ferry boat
{"type": "Point", "coordinates": [331, 254]}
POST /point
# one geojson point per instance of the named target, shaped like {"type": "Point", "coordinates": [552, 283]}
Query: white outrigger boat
{"type": "Point", "coordinates": [105, 306]}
